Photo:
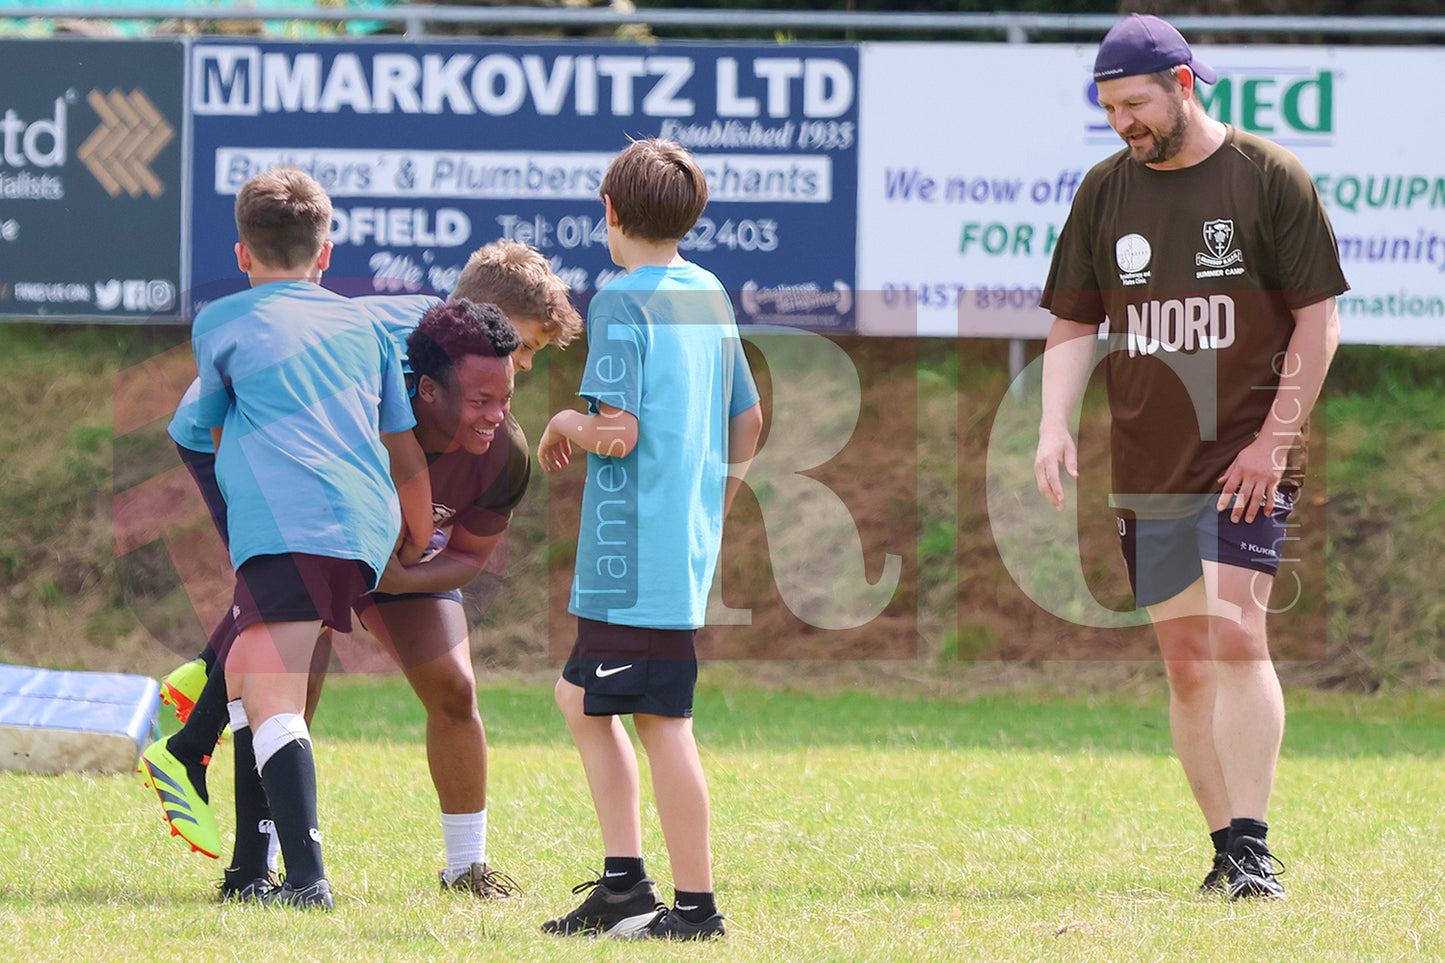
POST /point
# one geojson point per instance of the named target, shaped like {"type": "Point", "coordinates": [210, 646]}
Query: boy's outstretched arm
{"type": "Point", "coordinates": [611, 432]}
{"type": "Point", "coordinates": [744, 429]}
{"type": "Point", "coordinates": [413, 486]}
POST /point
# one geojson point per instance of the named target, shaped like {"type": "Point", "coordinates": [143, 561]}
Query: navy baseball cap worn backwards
{"type": "Point", "coordinates": [1144, 44]}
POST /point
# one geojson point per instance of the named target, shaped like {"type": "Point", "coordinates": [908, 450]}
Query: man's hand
{"type": "Point", "coordinates": [1056, 447]}
{"type": "Point", "coordinates": [1251, 480]}
{"type": "Point", "coordinates": [393, 578]}
{"type": "Point", "coordinates": [410, 552]}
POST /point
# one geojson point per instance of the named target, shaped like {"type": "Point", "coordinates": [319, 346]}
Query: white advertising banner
{"type": "Point", "coordinates": [971, 153]}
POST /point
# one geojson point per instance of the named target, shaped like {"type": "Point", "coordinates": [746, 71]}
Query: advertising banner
{"type": "Point", "coordinates": [431, 150]}
{"type": "Point", "coordinates": [90, 178]}
{"type": "Point", "coordinates": [972, 153]}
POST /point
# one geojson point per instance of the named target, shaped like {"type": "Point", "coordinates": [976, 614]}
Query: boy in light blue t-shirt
{"type": "Point", "coordinates": [671, 402]}
{"type": "Point", "coordinates": [303, 392]}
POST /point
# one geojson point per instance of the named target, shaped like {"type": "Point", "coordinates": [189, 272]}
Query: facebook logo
{"type": "Point", "coordinates": [226, 81]}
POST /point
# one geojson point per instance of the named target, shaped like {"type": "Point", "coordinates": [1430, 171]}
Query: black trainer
{"type": "Point", "coordinates": [1216, 881]}
{"type": "Point", "coordinates": [669, 924]}
{"type": "Point", "coordinates": [608, 913]}
{"type": "Point", "coordinates": [1252, 870]}
{"type": "Point", "coordinates": [233, 887]}
{"type": "Point", "coordinates": [315, 896]}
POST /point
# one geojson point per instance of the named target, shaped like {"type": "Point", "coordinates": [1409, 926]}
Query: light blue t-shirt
{"type": "Point", "coordinates": [183, 428]}
{"type": "Point", "coordinates": [663, 345]}
{"type": "Point", "coordinates": [399, 314]}
{"type": "Point", "coordinates": [302, 380]}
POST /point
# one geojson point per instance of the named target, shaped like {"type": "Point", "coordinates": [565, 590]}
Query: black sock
{"type": "Point", "coordinates": [1220, 839]}
{"type": "Point", "coordinates": [1257, 828]}
{"type": "Point", "coordinates": [621, 873]}
{"type": "Point", "coordinates": [694, 907]}
{"type": "Point", "coordinates": [253, 840]}
{"type": "Point", "coordinates": [290, 780]}
{"type": "Point", "coordinates": [220, 641]}
{"type": "Point", "coordinates": [196, 740]}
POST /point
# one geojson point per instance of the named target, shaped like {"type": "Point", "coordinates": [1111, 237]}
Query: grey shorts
{"type": "Point", "coordinates": [1164, 556]}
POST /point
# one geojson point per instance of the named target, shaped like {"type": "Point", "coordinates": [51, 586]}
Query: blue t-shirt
{"type": "Point", "coordinates": [183, 428]}
{"type": "Point", "coordinates": [302, 380]}
{"type": "Point", "coordinates": [399, 314]}
{"type": "Point", "coordinates": [661, 344]}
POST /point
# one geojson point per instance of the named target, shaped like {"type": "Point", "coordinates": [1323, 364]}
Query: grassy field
{"type": "Point", "coordinates": [849, 826]}
{"type": "Point", "coordinates": [912, 477]}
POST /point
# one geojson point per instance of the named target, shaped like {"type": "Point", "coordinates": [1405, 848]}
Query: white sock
{"type": "Point", "coordinates": [238, 715]}
{"type": "Point", "coordinates": [275, 733]}
{"type": "Point", "coordinates": [273, 847]}
{"type": "Point", "coordinates": [465, 837]}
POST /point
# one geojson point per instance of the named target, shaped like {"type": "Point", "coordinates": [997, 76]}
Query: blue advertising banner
{"type": "Point", "coordinates": [431, 150]}
{"type": "Point", "coordinates": [90, 179]}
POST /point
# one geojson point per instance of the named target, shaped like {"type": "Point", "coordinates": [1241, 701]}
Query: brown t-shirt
{"type": "Point", "coordinates": [480, 492]}
{"type": "Point", "coordinates": [1197, 270]}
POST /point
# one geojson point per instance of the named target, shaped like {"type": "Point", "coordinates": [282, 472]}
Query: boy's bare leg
{"type": "Point", "coordinates": [610, 763]}
{"type": "Point", "coordinates": [320, 664]}
{"type": "Point", "coordinates": [267, 667]}
{"type": "Point", "coordinates": [680, 787]}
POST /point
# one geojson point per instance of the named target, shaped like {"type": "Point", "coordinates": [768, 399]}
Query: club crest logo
{"type": "Point", "coordinates": [1132, 253]}
{"type": "Point", "coordinates": [1218, 241]}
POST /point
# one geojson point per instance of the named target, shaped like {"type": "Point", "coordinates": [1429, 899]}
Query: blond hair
{"type": "Point", "coordinates": [517, 278]}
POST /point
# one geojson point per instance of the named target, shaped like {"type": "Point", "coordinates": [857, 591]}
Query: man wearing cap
{"type": "Point", "coordinates": [1210, 254]}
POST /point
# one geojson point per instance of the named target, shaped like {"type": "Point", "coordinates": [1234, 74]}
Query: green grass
{"type": "Point", "coordinates": [847, 827]}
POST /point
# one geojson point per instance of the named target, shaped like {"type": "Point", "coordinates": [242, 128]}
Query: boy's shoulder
{"type": "Point", "coordinates": [280, 300]}
{"type": "Point", "coordinates": [398, 311]}
{"type": "Point", "coordinates": [651, 280]}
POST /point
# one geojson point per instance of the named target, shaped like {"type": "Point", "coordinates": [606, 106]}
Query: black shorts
{"type": "Point", "coordinates": [626, 669]}
{"type": "Point", "coordinates": [299, 588]}
{"type": "Point", "coordinates": [1164, 555]}
{"type": "Point", "coordinates": [377, 598]}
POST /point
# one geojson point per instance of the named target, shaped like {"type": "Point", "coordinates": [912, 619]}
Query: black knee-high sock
{"type": "Point", "coordinates": [253, 812]}
{"type": "Point", "coordinates": [220, 641]}
{"type": "Point", "coordinates": [194, 742]}
{"type": "Point", "coordinates": [290, 780]}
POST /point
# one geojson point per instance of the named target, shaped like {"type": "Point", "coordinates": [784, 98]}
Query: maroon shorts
{"type": "Point", "coordinates": [299, 588]}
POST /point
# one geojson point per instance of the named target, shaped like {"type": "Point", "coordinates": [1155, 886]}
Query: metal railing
{"type": "Point", "coordinates": [1015, 27]}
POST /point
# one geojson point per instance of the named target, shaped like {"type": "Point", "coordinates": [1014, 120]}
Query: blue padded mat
{"type": "Point", "coordinates": [60, 721]}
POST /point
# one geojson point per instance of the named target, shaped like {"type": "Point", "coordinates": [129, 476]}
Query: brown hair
{"type": "Point", "coordinates": [517, 278]}
{"type": "Point", "coordinates": [1168, 78]}
{"type": "Point", "coordinates": [283, 216]}
{"type": "Point", "coordinates": [657, 190]}
{"type": "Point", "coordinates": [562, 323]}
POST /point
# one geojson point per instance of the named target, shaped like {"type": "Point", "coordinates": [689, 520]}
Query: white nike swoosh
{"type": "Point", "coordinates": [604, 673]}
